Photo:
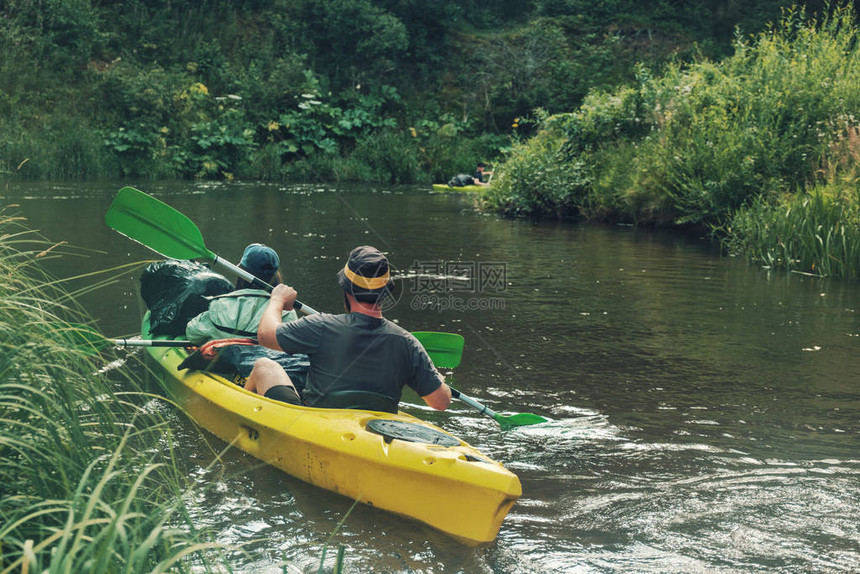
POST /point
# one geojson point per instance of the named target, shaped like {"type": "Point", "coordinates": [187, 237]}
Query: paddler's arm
{"type": "Point", "coordinates": [282, 299]}
{"type": "Point", "coordinates": [440, 398]}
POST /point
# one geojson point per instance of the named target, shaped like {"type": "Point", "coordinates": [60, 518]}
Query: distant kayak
{"type": "Point", "coordinates": [445, 188]}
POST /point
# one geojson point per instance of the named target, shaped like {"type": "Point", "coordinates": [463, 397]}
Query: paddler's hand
{"type": "Point", "coordinates": [284, 296]}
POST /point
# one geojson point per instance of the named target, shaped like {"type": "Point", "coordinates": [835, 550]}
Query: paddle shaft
{"type": "Point", "coordinates": [151, 343]}
{"type": "Point", "coordinates": [481, 408]}
{"type": "Point", "coordinates": [299, 306]}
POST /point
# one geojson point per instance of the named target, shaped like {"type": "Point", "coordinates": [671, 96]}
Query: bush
{"type": "Point", "coordinates": [703, 140]}
{"type": "Point", "coordinates": [540, 178]}
{"type": "Point", "coordinates": [445, 150]}
{"type": "Point", "coordinates": [759, 121]}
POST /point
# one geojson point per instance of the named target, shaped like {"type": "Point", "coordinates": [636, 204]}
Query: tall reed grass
{"type": "Point", "coordinates": [83, 483]}
{"type": "Point", "coordinates": [816, 232]}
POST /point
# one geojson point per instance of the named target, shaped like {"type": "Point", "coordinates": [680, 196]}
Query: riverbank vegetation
{"type": "Point", "coordinates": [761, 147]}
{"type": "Point", "coordinates": [87, 476]}
{"type": "Point", "coordinates": [317, 90]}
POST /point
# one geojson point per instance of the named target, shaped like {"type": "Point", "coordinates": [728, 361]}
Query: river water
{"type": "Point", "coordinates": [705, 413]}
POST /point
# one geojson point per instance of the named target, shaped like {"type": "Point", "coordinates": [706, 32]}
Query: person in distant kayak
{"type": "Point", "coordinates": [355, 351]}
{"type": "Point", "coordinates": [237, 314]}
{"type": "Point", "coordinates": [477, 178]}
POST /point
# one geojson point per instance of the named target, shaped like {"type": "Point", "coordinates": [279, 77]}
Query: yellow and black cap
{"type": "Point", "coordinates": [366, 275]}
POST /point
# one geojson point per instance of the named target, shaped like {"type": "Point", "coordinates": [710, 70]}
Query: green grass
{"type": "Point", "coordinates": [84, 488]}
{"type": "Point", "coordinates": [816, 232]}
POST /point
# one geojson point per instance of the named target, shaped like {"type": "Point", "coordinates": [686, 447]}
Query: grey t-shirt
{"type": "Point", "coordinates": [354, 351]}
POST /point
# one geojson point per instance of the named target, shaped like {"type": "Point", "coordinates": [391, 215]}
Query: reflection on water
{"type": "Point", "coordinates": [705, 414]}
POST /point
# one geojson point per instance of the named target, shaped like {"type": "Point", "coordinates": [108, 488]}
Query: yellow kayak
{"type": "Point", "coordinates": [445, 188]}
{"type": "Point", "coordinates": [395, 462]}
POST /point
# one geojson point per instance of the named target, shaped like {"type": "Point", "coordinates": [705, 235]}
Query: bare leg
{"type": "Point", "coordinates": [265, 375]}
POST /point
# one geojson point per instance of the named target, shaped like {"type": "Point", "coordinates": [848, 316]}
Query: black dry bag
{"type": "Point", "coordinates": [176, 291]}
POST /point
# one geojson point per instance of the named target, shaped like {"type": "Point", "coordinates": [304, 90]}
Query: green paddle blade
{"type": "Point", "coordinates": [156, 225]}
{"type": "Point", "coordinates": [445, 349]}
{"type": "Point", "coordinates": [519, 420]}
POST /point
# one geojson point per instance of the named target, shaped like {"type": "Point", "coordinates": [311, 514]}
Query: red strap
{"type": "Point", "coordinates": [209, 350]}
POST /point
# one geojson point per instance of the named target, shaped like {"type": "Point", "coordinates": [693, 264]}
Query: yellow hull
{"type": "Point", "coordinates": [455, 489]}
{"type": "Point", "coordinates": [445, 188]}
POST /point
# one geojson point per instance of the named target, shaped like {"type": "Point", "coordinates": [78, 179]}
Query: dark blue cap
{"type": "Point", "coordinates": [260, 261]}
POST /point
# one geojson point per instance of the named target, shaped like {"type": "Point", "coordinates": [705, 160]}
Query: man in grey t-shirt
{"type": "Point", "coordinates": [355, 351]}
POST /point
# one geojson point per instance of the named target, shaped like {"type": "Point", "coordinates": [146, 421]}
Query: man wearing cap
{"type": "Point", "coordinates": [355, 351]}
{"type": "Point", "coordinates": [478, 176]}
{"type": "Point", "coordinates": [237, 314]}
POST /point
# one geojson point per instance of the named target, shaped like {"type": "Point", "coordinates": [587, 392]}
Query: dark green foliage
{"type": "Point", "coordinates": [391, 156]}
{"type": "Point", "coordinates": [150, 77]}
{"type": "Point", "coordinates": [60, 35]}
{"type": "Point", "coordinates": [355, 39]}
